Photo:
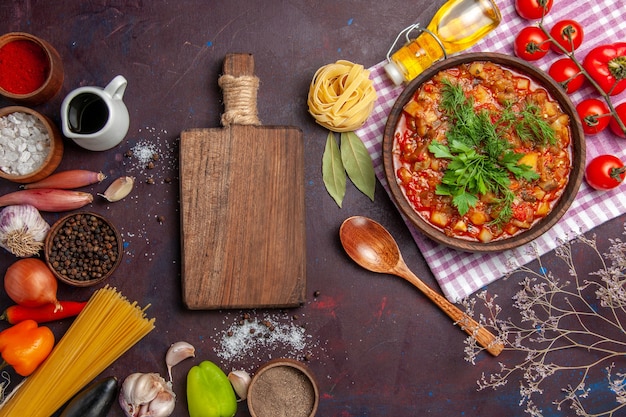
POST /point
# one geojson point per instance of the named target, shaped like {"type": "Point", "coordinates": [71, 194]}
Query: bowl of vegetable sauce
{"type": "Point", "coordinates": [483, 152]}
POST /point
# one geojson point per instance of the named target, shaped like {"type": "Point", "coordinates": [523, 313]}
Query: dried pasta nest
{"type": "Point", "coordinates": [341, 96]}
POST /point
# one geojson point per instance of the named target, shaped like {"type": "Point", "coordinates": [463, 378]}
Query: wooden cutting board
{"type": "Point", "coordinates": [242, 211]}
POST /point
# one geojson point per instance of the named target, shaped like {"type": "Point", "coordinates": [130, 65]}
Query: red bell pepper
{"type": "Point", "coordinates": [25, 345]}
{"type": "Point", "coordinates": [42, 314]}
{"type": "Point", "coordinates": [606, 64]}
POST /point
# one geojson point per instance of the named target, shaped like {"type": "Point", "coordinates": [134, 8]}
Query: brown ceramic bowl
{"type": "Point", "coordinates": [283, 387]}
{"type": "Point", "coordinates": [53, 81]}
{"type": "Point", "coordinates": [55, 153]}
{"type": "Point", "coordinates": [101, 252]}
{"type": "Point", "coordinates": [537, 229]}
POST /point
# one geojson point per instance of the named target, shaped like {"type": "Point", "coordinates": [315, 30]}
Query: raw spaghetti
{"type": "Point", "coordinates": [108, 326]}
{"type": "Point", "coordinates": [341, 96]}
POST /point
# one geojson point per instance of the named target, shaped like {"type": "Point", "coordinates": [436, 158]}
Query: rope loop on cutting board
{"type": "Point", "coordinates": [240, 98]}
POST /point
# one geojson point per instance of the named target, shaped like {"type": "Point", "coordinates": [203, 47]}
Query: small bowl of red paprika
{"type": "Point", "coordinates": [31, 70]}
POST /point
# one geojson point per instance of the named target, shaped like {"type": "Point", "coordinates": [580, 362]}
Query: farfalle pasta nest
{"type": "Point", "coordinates": [341, 96]}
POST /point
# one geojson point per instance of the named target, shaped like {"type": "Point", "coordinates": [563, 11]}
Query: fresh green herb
{"type": "Point", "coordinates": [481, 160]}
{"type": "Point", "coordinates": [531, 126]}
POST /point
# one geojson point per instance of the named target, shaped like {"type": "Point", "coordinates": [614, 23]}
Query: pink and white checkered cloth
{"type": "Point", "coordinates": [458, 273]}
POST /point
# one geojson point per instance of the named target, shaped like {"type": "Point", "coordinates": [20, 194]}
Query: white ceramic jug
{"type": "Point", "coordinates": [96, 118]}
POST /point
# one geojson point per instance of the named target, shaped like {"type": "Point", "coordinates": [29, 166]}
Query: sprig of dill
{"type": "Point", "coordinates": [481, 160]}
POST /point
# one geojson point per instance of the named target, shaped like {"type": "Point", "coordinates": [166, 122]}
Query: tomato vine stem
{"type": "Point", "coordinates": [605, 95]}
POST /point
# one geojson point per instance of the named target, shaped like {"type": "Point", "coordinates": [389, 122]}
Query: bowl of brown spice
{"type": "Point", "coordinates": [283, 387]}
{"type": "Point", "coordinates": [83, 249]}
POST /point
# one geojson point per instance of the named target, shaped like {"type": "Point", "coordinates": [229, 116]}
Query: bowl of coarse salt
{"type": "Point", "coordinates": [31, 146]}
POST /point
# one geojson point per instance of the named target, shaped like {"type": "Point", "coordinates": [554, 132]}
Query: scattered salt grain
{"type": "Point", "coordinates": [247, 337]}
{"type": "Point", "coordinates": [144, 152]}
{"type": "Point", "coordinates": [24, 143]}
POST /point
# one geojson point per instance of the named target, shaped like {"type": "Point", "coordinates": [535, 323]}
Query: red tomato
{"type": "Point", "coordinates": [565, 72]}
{"type": "Point", "coordinates": [605, 64]}
{"type": "Point", "coordinates": [568, 34]}
{"type": "Point", "coordinates": [605, 172]}
{"type": "Point", "coordinates": [533, 9]}
{"type": "Point", "coordinates": [620, 109]}
{"type": "Point", "coordinates": [531, 44]}
{"type": "Point", "coordinates": [594, 115]}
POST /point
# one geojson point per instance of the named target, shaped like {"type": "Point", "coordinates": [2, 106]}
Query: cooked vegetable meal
{"type": "Point", "coordinates": [482, 152]}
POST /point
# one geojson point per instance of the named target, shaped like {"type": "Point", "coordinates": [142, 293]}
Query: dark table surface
{"type": "Point", "coordinates": [376, 346]}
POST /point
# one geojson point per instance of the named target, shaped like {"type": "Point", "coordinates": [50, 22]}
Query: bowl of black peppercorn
{"type": "Point", "coordinates": [83, 249]}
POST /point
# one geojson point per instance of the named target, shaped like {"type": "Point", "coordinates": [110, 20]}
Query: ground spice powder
{"type": "Point", "coordinates": [282, 391]}
{"type": "Point", "coordinates": [24, 67]}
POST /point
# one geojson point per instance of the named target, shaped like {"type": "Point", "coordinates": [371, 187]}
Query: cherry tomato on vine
{"type": "Point", "coordinates": [565, 72]}
{"type": "Point", "coordinates": [594, 115]}
{"type": "Point", "coordinates": [533, 9]}
{"type": "Point", "coordinates": [606, 64]}
{"type": "Point", "coordinates": [568, 34]}
{"type": "Point", "coordinates": [620, 109]}
{"type": "Point", "coordinates": [605, 172]}
{"type": "Point", "coordinates": [531, 44]}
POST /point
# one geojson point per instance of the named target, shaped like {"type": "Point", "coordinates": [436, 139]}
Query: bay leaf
{"type": "Point", "coordinates": [333, 172]}
{"type": "Point", "coordinates": [358, 163]}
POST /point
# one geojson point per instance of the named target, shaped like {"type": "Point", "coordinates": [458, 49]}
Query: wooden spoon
{"type": "Point", "coordinates": [370, 245]}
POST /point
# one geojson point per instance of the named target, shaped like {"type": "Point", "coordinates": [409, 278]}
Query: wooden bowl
{"type": "Point", "coordinates": [55, 153]}
{"type": "Point", "coordinates": [62, 253]}
{"type": "Point", "coordinates": [537, 229]}
{"type": "Point", "coordinates": [55, 75]}
{"type": "Point", "coordinates": [283, 387]}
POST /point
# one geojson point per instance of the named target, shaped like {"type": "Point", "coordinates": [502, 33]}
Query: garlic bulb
{"type": "Point", "coordinates": [22, 230]}
{"type": "Point", "coordinates": [147, 395]}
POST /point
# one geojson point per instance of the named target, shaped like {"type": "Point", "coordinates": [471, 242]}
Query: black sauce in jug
{"type": "Point", "coordinates": [87, 113]}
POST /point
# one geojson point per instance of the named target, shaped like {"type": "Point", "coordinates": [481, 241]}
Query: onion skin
{"type": "Point", "coordinates": [48, 199]}
{"type": "Point", "coordinates": [30, 283]}
{"type": "Point", "coordinates": [67, 180]}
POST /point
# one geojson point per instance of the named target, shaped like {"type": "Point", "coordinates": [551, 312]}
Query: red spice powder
{"type": "Point", "coordinates": [24, 67]}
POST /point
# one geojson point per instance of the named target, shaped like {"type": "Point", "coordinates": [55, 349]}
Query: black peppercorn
{"type": "Point", "coordinates": [84, 249]}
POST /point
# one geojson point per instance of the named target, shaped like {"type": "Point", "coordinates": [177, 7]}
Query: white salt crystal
{"type": "Point", "coordinates": [11, 156]}
{"type": "Point", "coordinates": [24, 156]}
{"type": "Point", "coordinates": [24, 143]}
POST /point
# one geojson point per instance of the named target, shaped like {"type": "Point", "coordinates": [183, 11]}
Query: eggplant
{"type": "Point", "coordinates": [94, 401]}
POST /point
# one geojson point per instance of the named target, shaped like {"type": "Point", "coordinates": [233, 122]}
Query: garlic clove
{"type": "Point", "coordinates": [119, 189]}
{"type": "Point", "coordinates": [240, 381]}
{"type": "Point", "coordinates": [163, 404]}
{"type": "Point", "coordinates": [177, 353]}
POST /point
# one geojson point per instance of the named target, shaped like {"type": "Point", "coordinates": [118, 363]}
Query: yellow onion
{"type": "Point", "coordinates": [30, 283]}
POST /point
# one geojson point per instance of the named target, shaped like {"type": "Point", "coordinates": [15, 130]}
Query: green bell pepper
{"type": "Point", "coordinates": [209, 392]}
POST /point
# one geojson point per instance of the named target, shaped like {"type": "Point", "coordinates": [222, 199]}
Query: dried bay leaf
{"type": "Point", "coordinates": [358, 163]}
{"type": "Point", "coordinates": [333, 172]}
